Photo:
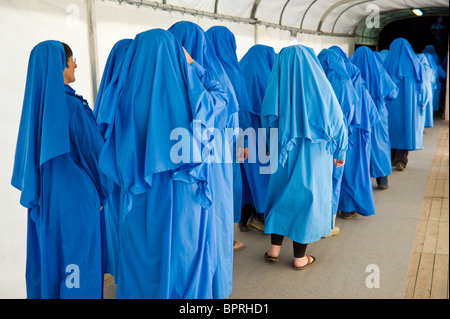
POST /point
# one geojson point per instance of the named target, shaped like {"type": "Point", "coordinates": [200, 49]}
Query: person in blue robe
{"type": "Point", "coordinates": [384, 53]}
{"type": "Point", "coordinates": [429, 79]}
{"type": "Point", "coordinates": [336, 72]}
{"type": "Point", "coordinates": [111, 208]}
{"type": "Point", "coordinates": [441, 74]}
{"type": "Point", "coordinates": [199, 46]}
{"type": "Point", "coordinates": [300, 103]}
{"type": "Point", "coordinates": [256, 66]}
{"type": "Point", "coordinates": [436, 84]}
{"type": "Point", "coordinates": [381, 88]}
{"type": "Point", "coordinates": [406, 112]}
{"type": "Point", "coordinates": [168, 246]}
{"type": "Point", "coordinates": [224, 44]}
{"type": "Point", "coordinates": [356, 196]}
{"type": "Point", "coordinates": [378, 57]}
{"type": "Point", "coordinates": [56, 169]}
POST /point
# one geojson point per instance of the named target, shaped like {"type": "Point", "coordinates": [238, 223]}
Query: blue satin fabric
{"type": "Point", "coordinates": [168, 232]}
{"type": "Point", "coordinates": [56, 169]}
{"type": "Point", "coordinates": [256, 66]}
{"type": "Point", "coordinates": [224, 44]}
{"type": "Point", "coordinates": [336, 72]}
{"type": "Point", "coordinates": [199, 46]}
{"type": "Point", "coordinates": [381, 88]}
{"type": "Point", "coordinates": [111, 209]}
{"type": "Point", "coordinates": [301, 104]}
{"type": "Point", "coordinates": [406, 112]}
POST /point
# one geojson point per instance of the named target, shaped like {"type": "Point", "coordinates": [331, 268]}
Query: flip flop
{"type": "Point", "coordinates": [238, 248]}
{"type": "Point", "coordinates": [305, 266]}
{"type": "Point", "coordinates": [270, 258]}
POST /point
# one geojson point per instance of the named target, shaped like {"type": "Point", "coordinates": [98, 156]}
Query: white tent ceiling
{"type": "Point", "coordinates": [329, 17]}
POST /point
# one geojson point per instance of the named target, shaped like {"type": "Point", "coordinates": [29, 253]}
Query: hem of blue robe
{"type": "Point", "coordinates": [401, 147]}
{"type": "Point", "coordinates": [361, 212]}
{"type": "Point", "coordinates": [307, 240]}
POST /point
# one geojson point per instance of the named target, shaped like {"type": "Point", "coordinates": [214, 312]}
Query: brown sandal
{"type": "Point", "coordinates": [305, 266]}
{"type": "Point", "coordinates": [270, 258]}
{"type": "Point", "coordinates": [239, 247]}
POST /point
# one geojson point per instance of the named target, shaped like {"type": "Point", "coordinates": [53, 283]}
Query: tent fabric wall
{"type": "Point", "coordinates": [24, 23]}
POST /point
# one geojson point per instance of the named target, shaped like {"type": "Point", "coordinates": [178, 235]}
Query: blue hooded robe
{"type": "Point", "coordinates": [436, 81]}
{"type": "Point", "coordinates": [429, 81]}
{"type": "Point", "coordinates": [406, 112]}
{"type": "Point", "coordinates": [336, 72]}
{"type": "Point", "coordinates": [224, 44]}
{"type": "Point", "coordinates": [384, 53]}
{"type": "Point", "coordinates": [441, 74]}
{"type": "Point", "coordinates": [356, 188]}
{"type": "Point", "coordinates": [381, 88]}
{"type": "Point", "coordinates": [256, 66]}
{"type": "Point", "coordinates": [198, 45]}
{"type": "Point", "coordinates": [301, 104]}
{"type": "Point", "coordinates": [168, 246]}
{"type": "Point", "coordinates": [111, 208]}
{"type": "Point", "coordinates": [378, 57]}
{"type": "Point", "coordinates": [56, 170]}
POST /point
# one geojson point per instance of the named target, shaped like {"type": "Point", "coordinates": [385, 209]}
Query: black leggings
{"type": "Point", "coordinates": [299, 249]}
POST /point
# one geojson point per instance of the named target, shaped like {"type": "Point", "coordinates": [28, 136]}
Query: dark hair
{"type": "Point", "coordinates": [68, 52]}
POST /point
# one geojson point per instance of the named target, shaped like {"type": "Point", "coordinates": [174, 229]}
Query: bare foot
{"type": "Point", "coordinates": [274, 250]}
{"type": "Point", "coordinates": [238, 245]}
{"type": "Point", "coordinates": [300, 262]}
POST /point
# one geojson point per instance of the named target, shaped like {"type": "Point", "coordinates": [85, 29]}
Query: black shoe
{"type": "Point", "coordinates": [242, 226]}
{"type": "Point", "coordinates": [256, 223]}
{"type": "Point", "coordinates": [348, 215]}
{"type": "Point", "coordinates": [382, 182]}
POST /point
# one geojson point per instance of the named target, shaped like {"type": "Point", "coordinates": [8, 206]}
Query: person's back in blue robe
{"type": "Point", "coordinates": [429, 79]}
{"type": "Point", "coordinates": [224, 44]}
{"type": "Point", "coordinates": [441, 74]}
{"type": "Point", "coordinates": [300, 103]}
{"type": "Point", "coordinates": [356, 188]}
{"type": "Point", "coordinates": [336, 72]}
{"type": "Point", "coordinates": [406, 113]}
{"type": "Point", "coordinates": [56, 169]}
{"type": "Point", "coordinates": [168, 247]}
{"type": "Point", "coordinates": [384, 53]}
{"type": "Point", "coordinates": [436, 81]}
{"type": "Point", "coordinates": [198, 45]}
{"type": "Point", "coordinates": [111, 208]}
{"type": "Point", "coordinates": [256, 66]}
{"type": "Point", "coordinates": [381, 88]}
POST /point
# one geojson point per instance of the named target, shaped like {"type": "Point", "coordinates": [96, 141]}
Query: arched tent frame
{"type": "Point", "coordinates": [331, 18]}
{"type": "Point", "coordinates": [91, 27]}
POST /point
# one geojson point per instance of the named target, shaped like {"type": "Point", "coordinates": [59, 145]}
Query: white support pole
{"type": "Point", "coordinates": [446, 118]}
{"type": "Point", "coordinates": [93, 55]}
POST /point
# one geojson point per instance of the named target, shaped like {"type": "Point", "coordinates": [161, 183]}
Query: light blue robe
{"type": "Point", "coordinates": [441, 74]}
{"type": "Point", "coordinates": [406, 112]}
{"type": "Point", "coordinates": [256, 66]}
{"type": "Point", "coordinates": [356, 188]}
{"type": "Point", "coordinates": [301, 104]}
{"type": "Point", "coordinates": [381, 88]}
{"type": "Point", "coordinates": [198, 45]}
{"type": "Point", "coordinates": [429, 79]}
{"type": "Point", "coordinates": [336, 72]}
